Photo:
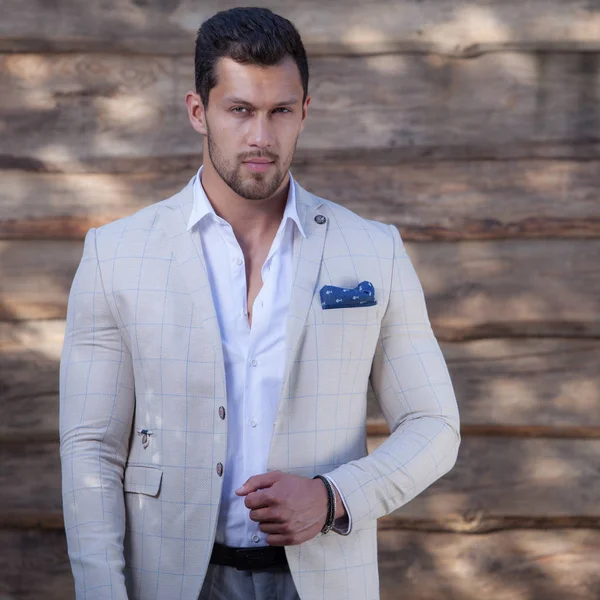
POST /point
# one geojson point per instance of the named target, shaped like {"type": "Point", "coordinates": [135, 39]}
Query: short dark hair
{"type": "Point", "coordinates": [255, 36]}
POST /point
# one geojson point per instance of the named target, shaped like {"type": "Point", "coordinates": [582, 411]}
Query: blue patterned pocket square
{"type": "Point", "coordinates": [336, 297]}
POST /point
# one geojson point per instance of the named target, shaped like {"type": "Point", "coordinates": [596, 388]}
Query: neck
{"type": "Point", "coordinates": [248, 218]}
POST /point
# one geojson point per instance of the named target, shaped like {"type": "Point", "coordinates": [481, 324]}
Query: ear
{"type": "Point", "coordinates": [196, 112]}
{"type": "Point", "coordinates": [304, 112]}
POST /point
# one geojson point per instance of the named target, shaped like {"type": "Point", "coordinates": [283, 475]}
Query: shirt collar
{"type": "Point", "coordinates": [202, 206]}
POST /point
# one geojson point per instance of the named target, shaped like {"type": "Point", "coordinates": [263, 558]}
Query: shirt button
{"type": "Point", "coordinates": [222, 412]}
{"type": "Point", "coordinates": [253, 362]}
{"type": "Point", "coordinates": [219, 469]}
{"type": "Point", "coordinates": [255, 538]}
{"type": "Point", "coordinates": [253, 422]}
{"type": "Point", "coordinates": [238, 261]}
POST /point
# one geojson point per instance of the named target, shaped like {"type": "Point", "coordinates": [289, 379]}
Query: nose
{"type": "Point", "coordinates": [260, 135]}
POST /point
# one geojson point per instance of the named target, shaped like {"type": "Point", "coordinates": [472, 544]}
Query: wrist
{"type": "Point", "coordinates": [323, 497]}
{"type": "Point", "coordinates": [330, 503]}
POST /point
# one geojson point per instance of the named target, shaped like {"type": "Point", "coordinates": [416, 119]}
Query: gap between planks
{"type": "Point", "coordinates": [378, 428]}
{"type": "Point", "coordinates": [469, 523]}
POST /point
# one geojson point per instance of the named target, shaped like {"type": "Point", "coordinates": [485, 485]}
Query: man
{"type": "Point", "coordinates": [216, 360]}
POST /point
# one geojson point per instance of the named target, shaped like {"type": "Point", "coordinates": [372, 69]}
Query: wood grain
{"type": "Point", "coordinates": [446, 200]}
{"type": "Point", "coordinates": [34, 565]}
{"type": "Point", "coordinates": [543, 387]}
{"type": "Point", "coordinates": [500, 483]}
{"type": "Point", "coordinates": [35, 278]}
{"type": "Point", "coordinates": [523, 383]}
{"type": "Point", "coordinates": [507, 565]}
{"type": "Point", "coordinates": [473, 289]}
{"type": "Point", "coordinates": [510, 288]}
{"type": "Point", "coordinates": [497, 483]}
{"type": "Point", "coordinates": [29, 406]}
{"type": "Point", "coordinates": [454, 27]}
{"type": "Point", "coordinates": [108, 112]}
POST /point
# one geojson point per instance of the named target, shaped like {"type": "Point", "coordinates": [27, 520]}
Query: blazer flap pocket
{"type": "Point", "coordinates": [142, 479]}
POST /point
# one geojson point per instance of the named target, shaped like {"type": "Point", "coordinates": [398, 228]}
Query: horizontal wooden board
{"type": "Point", "coordinates": [500, 483]}
{"type": "Point", "coordinates": [523, 383]}
{"type": "Point", "coordinates": [446, 200]}
{"type": "Point", "coordinates": [455, 27]}
{"type": "Point", "coordinates": [507, 565]}
{"type": "Point", "coordinates": [107, 112]}
{"type": "Point", "coordinates": [35, 565]}
{"type": "Point", "coordinates": [473, 289]}
{"type": "Point", "coordinates": [496, 483]}
{"type": "Point", "coordinates": [35, 278]}
{"type": "Point", "coordinates": [516, 387]}
{"type": "Point", "coordinates": [29, 406]}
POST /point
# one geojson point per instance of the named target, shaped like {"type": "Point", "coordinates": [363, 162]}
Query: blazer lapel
{"type": "Point", "coordinates": [307, 255]}
{"type": "Point", "coordinates": [189, 258]}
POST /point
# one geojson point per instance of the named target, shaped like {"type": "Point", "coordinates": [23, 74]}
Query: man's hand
{"type": "Point", "coordinates": [291, 509]}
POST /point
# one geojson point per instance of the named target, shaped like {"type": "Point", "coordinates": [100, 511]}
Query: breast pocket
{"type": "Point", "coordinates": [355, 315]}
{"type": "Point", "coordinates": [344, 333]}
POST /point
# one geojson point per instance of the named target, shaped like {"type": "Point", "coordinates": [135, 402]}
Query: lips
{"type": "Point", "coordinates": [258, 165]}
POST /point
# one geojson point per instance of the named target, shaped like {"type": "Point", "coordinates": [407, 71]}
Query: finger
{"type": "Point", "coordinates": [259, 499]}
{"type": "Point", "coordinates": [262, 515]}
{"type": "Point", "coordinates": [257, 482]}
{"type": "Point", "coordinates": [279, 528]}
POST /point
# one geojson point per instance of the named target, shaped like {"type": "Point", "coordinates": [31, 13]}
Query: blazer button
{"type": "Point", "coordinates": [219, 469]}
{"type": "Point", "coordinates": [222, 412]}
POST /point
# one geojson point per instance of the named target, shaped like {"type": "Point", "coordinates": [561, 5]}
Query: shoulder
{"type": "Point", "coordinates": [344, 217]}
{"type": "Point", "coordinates": [141, 219]}
{"type": "Point", "coordinates": [127, 236]}
{"type": "Point", "coordinates": [140, 225]}
{"type": "Point", "coordinates": [351, 226]}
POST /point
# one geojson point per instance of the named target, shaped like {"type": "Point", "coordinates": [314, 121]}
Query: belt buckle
{"type": "Point", "coordinates": [255, 557]}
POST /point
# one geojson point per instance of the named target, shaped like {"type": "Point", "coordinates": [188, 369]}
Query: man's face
{"type": "Point", "coordinates": [252, 123]}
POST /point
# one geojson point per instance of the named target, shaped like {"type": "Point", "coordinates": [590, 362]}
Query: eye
{"type": "Point", "coordinates": [238, 110]}
{"type": "Point", "coordinates": [283, 108]}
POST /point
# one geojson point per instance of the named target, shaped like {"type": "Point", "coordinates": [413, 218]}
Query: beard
{"type": "Point", "coordinates": [252, 186]}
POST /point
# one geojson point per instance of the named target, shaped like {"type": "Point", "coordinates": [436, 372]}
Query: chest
{"type": "Point", "coordinates": [250, 286]}
{"type": "Point", "coordinates": [254, 283]}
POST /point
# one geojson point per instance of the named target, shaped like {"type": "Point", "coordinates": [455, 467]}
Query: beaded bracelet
{"type": "Point", "coordinates": [330, 504]}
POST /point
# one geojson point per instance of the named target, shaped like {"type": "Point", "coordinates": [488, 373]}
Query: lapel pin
{"type": "Point", "coordinates": [145, 433]}
{"type": "Point", "coordinates": [320, 219]}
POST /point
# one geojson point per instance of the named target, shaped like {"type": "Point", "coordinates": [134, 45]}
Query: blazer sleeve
{"type": "Point", "coordinates": [411, 381]}
{"type": "Point", "coordinates": [96, 410]}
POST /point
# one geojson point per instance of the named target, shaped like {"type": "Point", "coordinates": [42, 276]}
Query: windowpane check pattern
{"type": "Point", "coordinates": [143, 351]}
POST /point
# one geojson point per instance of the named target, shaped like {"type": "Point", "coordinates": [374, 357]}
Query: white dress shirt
{"type": "Point", "coordinates": [253, 355]}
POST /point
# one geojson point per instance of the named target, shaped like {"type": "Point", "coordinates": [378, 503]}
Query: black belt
{"type": "Point", "coordinates": [249, 558]}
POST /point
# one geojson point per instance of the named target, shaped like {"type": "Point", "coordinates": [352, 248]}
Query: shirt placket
{"type": "Point", "coordinates": [254, 423]}
{"type": "Point", "coordinates": [247, 338]}
{"type": "Point", "coordinates": [249, 347]}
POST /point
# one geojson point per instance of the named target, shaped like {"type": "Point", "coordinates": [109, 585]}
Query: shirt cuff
{"type": "Point", "coordinates": [342, 525]}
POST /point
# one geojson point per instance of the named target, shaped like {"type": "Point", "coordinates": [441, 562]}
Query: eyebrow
{"type": "Point", "coordinates": [236, 100]}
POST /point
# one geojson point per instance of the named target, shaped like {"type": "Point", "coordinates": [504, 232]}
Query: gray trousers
{"type": "Point", "coordinates": [227, 583]}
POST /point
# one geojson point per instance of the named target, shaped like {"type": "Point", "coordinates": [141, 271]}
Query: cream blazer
{"type": "Point", "coordinates": [142, 352]}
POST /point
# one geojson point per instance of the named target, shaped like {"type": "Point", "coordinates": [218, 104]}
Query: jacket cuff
{"type": "Point", "coordinates": [342, 525]}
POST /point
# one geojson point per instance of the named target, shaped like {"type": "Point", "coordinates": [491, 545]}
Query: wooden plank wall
{"type": "Point", "coordinates": [474, 126]}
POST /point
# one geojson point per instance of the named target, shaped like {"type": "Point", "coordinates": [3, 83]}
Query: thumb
{"type": "Point", "coordinates": [257, 482]}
